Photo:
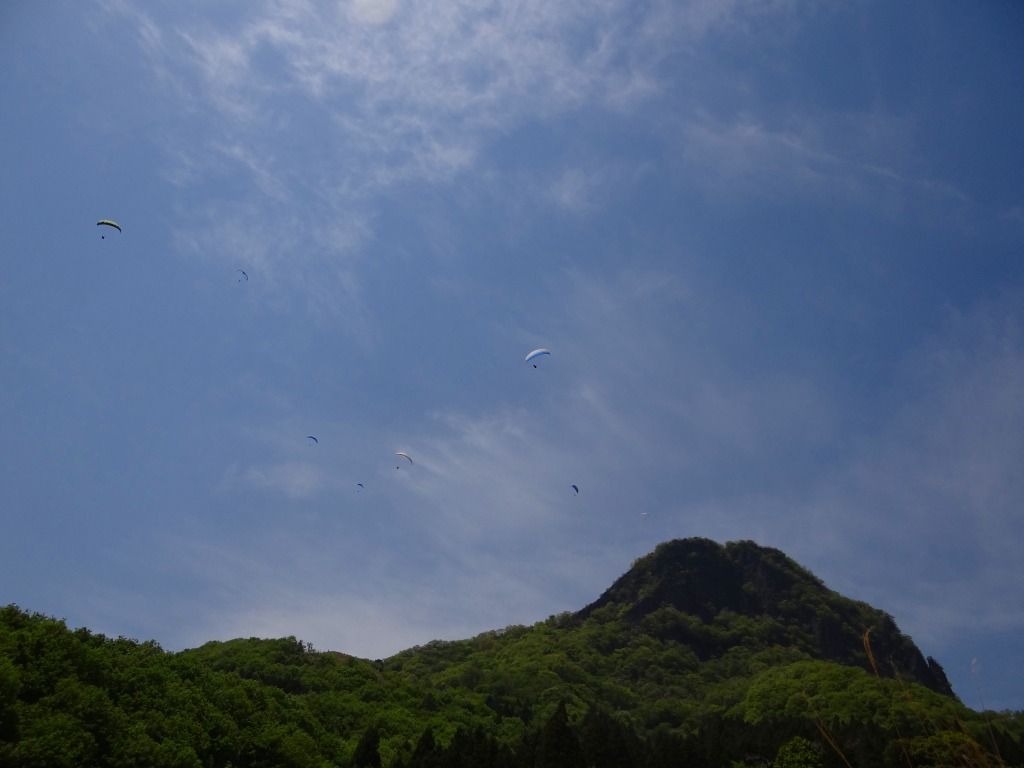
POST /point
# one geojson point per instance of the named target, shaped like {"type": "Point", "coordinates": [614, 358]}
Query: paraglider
{"type": "Point", "coordinates": [313, 438]}
{"type": "Point", "coordinates": [405, 456]}
{"type": "Point", "coordinates": [107, 223]}
{"type": "Point", "coordinates": [537, 353]}
{"type": "Point", "coordinates": [576, 488]}
{"type": "Point", "coordinates": [361, 487]}
{"type": "Point", "coordinates": [244, 275]}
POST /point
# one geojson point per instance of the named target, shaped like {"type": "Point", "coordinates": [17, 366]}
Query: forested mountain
{"type": "Point", "coordinates": [695, 585]}
{"type": "Point", "coordinates": [700, 655]}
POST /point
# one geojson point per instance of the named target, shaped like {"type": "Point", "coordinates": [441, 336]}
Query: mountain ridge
{"type": "Point", "coordinates": [700, 577]}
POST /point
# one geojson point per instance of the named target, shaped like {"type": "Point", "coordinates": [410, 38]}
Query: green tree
{"type": "Point", "coordinates": [55, 740]}
{"type": "Point", "coordinates": [9, 685]}
{"type": "Point", "coordinates": [947, 749]}
{"type": "Point", "coordinates": [558, 746]}
{"type": "Point", "coordinates": [367, 754]}
{"type": "Point", "coordinates": [425, 755]}
{"type": "Point", "coordinates": [606, 743]}
{"type": "Point", "coordinates": [798, 752]}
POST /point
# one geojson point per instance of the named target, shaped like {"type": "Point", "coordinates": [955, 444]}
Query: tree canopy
{"type": "Point", "coordinates": [667, 684]}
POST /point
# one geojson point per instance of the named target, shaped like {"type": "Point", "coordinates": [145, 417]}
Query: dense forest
{"type": "Point", "coordinates": [700, 655]}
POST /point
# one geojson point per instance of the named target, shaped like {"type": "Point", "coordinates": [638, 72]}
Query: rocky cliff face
{"type": "Point", "coordinates": [708, 583]}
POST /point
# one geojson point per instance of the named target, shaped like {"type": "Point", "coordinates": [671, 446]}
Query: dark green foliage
{"type": "Point", "coordinates": [558, 745]}
{"type": "Point", "coordinates": [427, 753]}
{"type": "Point", "coordinates": [608, 743]}
{"type": "Point", "coordinates": [798, 752]}
{"type": "Point", "coordinates": [701, 655]}
{"type": "Point", "coordinates": [83, 699]}
{"type": "Point", "coordinates": [367, 754]}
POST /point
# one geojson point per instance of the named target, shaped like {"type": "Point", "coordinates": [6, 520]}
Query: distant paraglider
{"type": "Point", "coordinates": [537, 353]}
{"type": "Point", "coordinates": [576, 488]}
{"type": "Point", "coordinates": [405, 456]}
{"type": "Point", "coordinates": [361, 487]}
{"type": "Point", "coordinates": [313, 438]}
{"type": "Point", "coordinates": [243, 274]}
{"type": "Point", "coordinates": [107, 223]}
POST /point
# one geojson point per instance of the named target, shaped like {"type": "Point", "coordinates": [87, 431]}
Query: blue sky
{"type": "Point", "coordinates": [775, 248]}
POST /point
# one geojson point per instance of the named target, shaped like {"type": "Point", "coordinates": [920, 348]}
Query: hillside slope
{"type": "Point", "coordinates": [700, 655]}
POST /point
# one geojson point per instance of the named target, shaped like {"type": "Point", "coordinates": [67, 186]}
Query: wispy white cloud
{"type": "Point", "coordinates": [413, 96]}
{"type": "Point", "coordinates": [845, 157]}
{"type": "Point", "coordinates": [374, 11]}
{"type": "Point", "coordinates": [258, 168]}
{"type": "Point", "coordinates": [340, 102]}
{"type": "Point", "coordinates": [295, 479]}
{"type": "Point", "coordinates": [589, 189]}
